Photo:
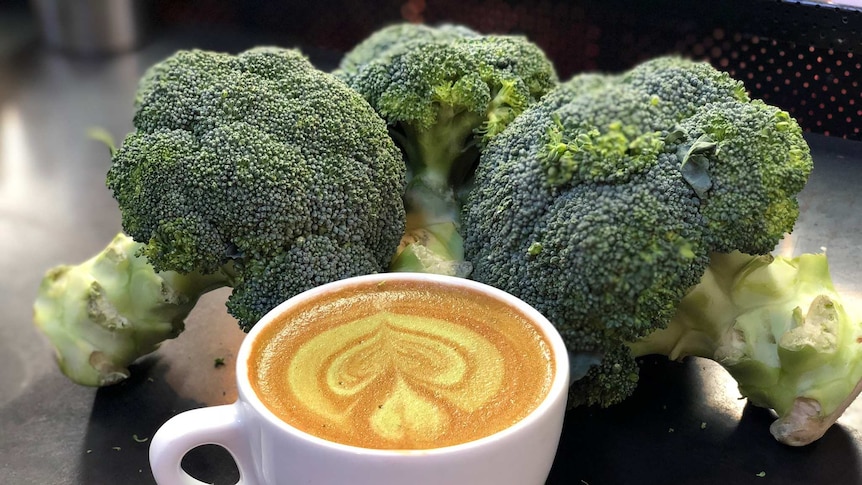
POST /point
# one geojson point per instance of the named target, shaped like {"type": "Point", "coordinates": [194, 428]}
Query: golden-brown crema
{"type": "Point", "coordinates": [397, 369]}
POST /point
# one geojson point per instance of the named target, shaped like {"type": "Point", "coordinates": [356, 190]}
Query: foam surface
{"type": "Point", "coordinates": [364, 369]}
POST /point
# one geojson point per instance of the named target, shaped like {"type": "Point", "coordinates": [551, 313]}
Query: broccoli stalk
{"type": "Point", "coordinates": [440, 160]}
{"type": "Point", "coordinates": [104, 313]}
{"type": "Point", "coordinates": [781, 330]}
{"type": "Point", "coordinates": [432, 241]}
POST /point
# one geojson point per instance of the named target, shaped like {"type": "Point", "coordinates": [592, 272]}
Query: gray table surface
{"type": "Point", "coordinates": [54, 208]}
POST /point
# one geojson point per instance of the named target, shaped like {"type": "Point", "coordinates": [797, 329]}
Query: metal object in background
{"type": "Point", "coordinates": [93, 27]}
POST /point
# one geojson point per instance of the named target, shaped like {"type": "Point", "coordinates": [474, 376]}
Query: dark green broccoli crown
{"type": "Point", "coordinates": [491, 77]}
{"type": "Point", "coordinates": [615, 255]}
{"type": "Point", "coordinates": [750, 160]}
{"type": "Point", "coordinates": [395, 38]}
{"type": "Point", "coordinates": [600, 204]}
{"type": "Point", "coordinates": [245, 159]}
{"type": "Point", "coordinates": [605, 251]}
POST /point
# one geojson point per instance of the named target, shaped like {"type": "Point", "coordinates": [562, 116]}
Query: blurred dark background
{"type": "Point", "coordinates": [802, 56]}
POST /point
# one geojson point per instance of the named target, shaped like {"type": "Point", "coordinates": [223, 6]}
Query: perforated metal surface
{"type": "Point", "coordinates": [805, 57]}
{"type": "Point", "coordinates": [808, 61]}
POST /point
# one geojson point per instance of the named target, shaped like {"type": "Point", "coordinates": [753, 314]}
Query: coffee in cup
{"type": "Point", "coordinates": [387, 379]}
{"type": "Point", "coordinates": [401, 365]}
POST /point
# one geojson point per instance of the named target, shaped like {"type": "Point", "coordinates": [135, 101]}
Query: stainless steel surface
{"type": "Point", "coordinates": [93, 27]}
{"type": "Point", "coordinates": [54, 208]}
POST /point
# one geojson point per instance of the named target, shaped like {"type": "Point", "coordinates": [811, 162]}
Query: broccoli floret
{"type": "Point", "coordinates": [780, 328]}
{"type": "Point", "coordinates": [256, 167]}
{"type": "Point", "coordinates": [607, 201]}
{"type": "Point", "coordinates": [746, 161]}
{"type": "Point", "coordinates": [445, 92]}
{"type": "Point", "coordinates": [603, 377]}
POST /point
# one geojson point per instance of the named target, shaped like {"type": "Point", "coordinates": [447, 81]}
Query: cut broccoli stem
{"type": "Point", "coordinates": [781, 330]}
{"type": "Point", "coordinates": [436, 248]}
{"type": "Point", "coordinates": [103, 314]}
{"type": "Point", "coordinates": [432, 242]}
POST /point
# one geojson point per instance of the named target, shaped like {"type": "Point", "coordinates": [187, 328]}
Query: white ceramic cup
{"type": "Point", "coordinates": [269, 451]}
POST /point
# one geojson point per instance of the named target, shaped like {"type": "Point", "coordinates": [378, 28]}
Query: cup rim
{"type": "Point", "coordinates": [557, 390]}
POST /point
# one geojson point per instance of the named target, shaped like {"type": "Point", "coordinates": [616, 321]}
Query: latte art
{"type": "Point", "coordinates": [391, 367]}
{"type": "Point", "coordinates": [390, 363]}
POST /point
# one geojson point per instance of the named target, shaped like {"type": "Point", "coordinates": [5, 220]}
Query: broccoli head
{"type": "Point", "coordinates": [602, 203]}
{"type": "Point", "coordinates": [254, 171]}
{"type": "Point", "coordinates": [638, 212]}
{"type": "Point", "coordinates": [262, 163]}
{"type": "Point", "coordinates": [606, 258]}
{"type": "Point", "coordinates": [445, 92]}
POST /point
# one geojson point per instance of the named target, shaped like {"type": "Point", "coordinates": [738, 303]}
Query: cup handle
{"type": "Point", "coordinates": [216, 425]}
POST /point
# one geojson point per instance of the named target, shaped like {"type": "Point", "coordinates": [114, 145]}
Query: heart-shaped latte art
{"type": "Point", "coordinates": [404, 375]}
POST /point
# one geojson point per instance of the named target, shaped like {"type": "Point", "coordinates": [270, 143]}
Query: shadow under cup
{"type": "Point", "coordinates": [268, 450]}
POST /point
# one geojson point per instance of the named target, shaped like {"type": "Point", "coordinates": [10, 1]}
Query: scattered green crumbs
{"type": "Point", "coordinates": [139, 440]}
{"type": "Point", "coordinates": [761, 474]}
{"type": "Point", "coordinates": [219, 362]}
